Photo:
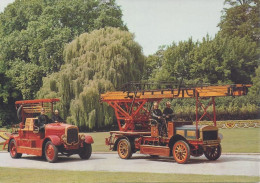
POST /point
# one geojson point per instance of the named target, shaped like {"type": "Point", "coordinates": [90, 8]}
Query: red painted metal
{"type": "Point", "coordinates": [29, 140]}
{"type": "Point", "coordinates": [130, 114]}
{"type": "Point", "coordinates": [89, 139]}
{"type": "Point", "coordinates": [56, 140]}
{"type": "Point", "coordinates": [214, 111]}
{"type": "Point", "coordinates": [37, 101]}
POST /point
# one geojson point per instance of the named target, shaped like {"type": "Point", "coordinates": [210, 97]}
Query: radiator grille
{"type": "Point", "coordinates": [210, 135]}
{"type": "Point", "coordinates": [72, 135]}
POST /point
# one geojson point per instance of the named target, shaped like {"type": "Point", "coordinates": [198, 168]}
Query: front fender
{"type": "Point", "coordinates": [89, 139]}
{"type": "Point", "coordinates": [55, 140]}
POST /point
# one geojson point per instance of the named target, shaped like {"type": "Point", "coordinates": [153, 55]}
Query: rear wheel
{"type": "Point", "coordinates": [13, 149]}
{"type": "Point", "coordinates": [124, 149]}
{"type": "Point", "coordinates": [51, 152]}
{"type": "Point", "coordinates": [213, 153]}
{"type": "Point", "coordinates": [86, 151]}
{"type": "Point", "coordinates": [181, 152]}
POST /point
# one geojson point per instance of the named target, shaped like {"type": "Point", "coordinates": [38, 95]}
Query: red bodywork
{"type": "Point", "coordinates": [29, 140]}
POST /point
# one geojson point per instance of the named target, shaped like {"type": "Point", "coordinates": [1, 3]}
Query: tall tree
{"type": "Point", "coordinates": [33, 34]}
{"type": "Point", "coordinates": [241, 18]}
{"type": "Point", "coordinates": [94, 63]}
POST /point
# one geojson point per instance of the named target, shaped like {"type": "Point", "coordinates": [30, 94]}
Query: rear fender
{"type": "Point", "coordinates": [174, 139]}
{"type": "Point", "coordinates": [55, 140]}
{"type": "Point", "coordinates": [89, 139]}
{"type": "Point", "coordinates": [124, 137]}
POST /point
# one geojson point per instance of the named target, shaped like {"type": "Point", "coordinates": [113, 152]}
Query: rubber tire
{"type": "Point", "coordinates": [13, 150]}
{"type": "Point", "coordinates": [124, 149]}
{"type": "Point", "coordinates": [53, 150]}
{"type": "Point", "coordinates": [86, 151]}
{"type": "Point", "coordinates": [213, 154]}
{"type": "Point", "coordinates": [184, 146]}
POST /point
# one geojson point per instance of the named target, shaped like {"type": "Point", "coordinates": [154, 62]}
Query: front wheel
{"type": "Point", "coordinates": [51, 152]}
{"type": "Point", "coordinates": [213, 153]}
{"type": "Point", "coordinates": [124, 149]}
{"type": "Point", "coordinates": [13, 150]}
{"type": "Point", "coordinates": [181, 152]}
{"type": "Point", "coordinates": [86, 151]}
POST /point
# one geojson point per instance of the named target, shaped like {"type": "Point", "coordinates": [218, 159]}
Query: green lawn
{"type": "Point", "coordinates": [241, 140]}
{"type": "Point", "coordinates": [99, 141]}
{"type": "Point", "coordinates": [9, 175]}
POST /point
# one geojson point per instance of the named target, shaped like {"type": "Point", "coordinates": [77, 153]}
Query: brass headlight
{"type": "Point", "coordinates": [82, 137]}
{"type": "Point", "coordinates": [64, 138]}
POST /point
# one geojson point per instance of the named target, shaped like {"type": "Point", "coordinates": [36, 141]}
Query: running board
{"type": "Point", "coordinates": [155, 150]}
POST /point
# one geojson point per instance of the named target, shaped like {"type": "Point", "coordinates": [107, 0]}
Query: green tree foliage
{"type": "Point", "coordinates": [241, 19]}
{"type": "Point", "coordinates": [224, 60]}
{"type": "Point", "coordinates": [218, 60]}
{"type": "Point", "coordinates": [255, 89]}
{"type": "Point", "coordinates": [94, 63]}
{"type": "Point", "coordinates": [153, 63]}
{"type": "Point", "coordinates": [33, 34]}
{"type": "Point", "coordinates": [26, 77]}
{"type": "Point", "coordinates": [178, 60]}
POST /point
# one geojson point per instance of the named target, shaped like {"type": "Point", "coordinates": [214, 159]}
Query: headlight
{"type": "Point", "coordinates": [220, 136]}
{"type": "Point", "coordinates": [64, 138]}
{"type": "Point", "coordinates": [82, 137]}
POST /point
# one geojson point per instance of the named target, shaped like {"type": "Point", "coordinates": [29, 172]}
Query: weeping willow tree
{"type": "Point", "coordinates": [95, 62]}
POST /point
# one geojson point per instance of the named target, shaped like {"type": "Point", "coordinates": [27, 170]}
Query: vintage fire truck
{"type": "Point", "coordinates": [133, 107]}
{"type": "Point", "coordinates": [55, 138]}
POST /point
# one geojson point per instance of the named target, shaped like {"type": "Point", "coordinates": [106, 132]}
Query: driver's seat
{"type": "Point", "coordinates": [29, 123]}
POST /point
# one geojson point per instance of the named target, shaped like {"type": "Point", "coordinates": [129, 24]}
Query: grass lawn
{"type": "Point", "coordinates": [40, 176]}
{"type": "Point", "coordinates": [241, 140]}
{"type": "Point", "coordinates": [99, 141]}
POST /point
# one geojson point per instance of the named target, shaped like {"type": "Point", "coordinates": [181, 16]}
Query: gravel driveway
{"type": "Point", "coordinates": [247, 165]}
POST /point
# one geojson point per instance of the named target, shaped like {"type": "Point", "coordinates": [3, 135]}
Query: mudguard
{"type": "Point", "coordinates": [89, 139]}
{"type": "Point", "coordinates": [55, 140]}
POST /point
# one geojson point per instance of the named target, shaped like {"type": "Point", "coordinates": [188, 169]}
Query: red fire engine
{"type": "Point", "coordinates": [55, 138]}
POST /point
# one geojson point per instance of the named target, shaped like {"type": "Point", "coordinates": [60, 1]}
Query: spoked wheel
{"type": "Point", "coordinates": [13, 149]}
{"type": "Point", "coordinates": [181, 152]}
{"type": "Point", "coordinates": [51, 152]}
{"type": "Point", "coordinates": [124, 149]}
{"type": "Point", "coordinates": [213, 153]}
{"type": "Point", "coordinates": [86, 151]}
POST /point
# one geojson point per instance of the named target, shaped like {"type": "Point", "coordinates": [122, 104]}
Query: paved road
{"type": "Point", "coordinates": [247, 165]}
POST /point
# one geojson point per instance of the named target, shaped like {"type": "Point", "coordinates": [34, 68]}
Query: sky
{"type": "Point", "coordinates": [162, 22]}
